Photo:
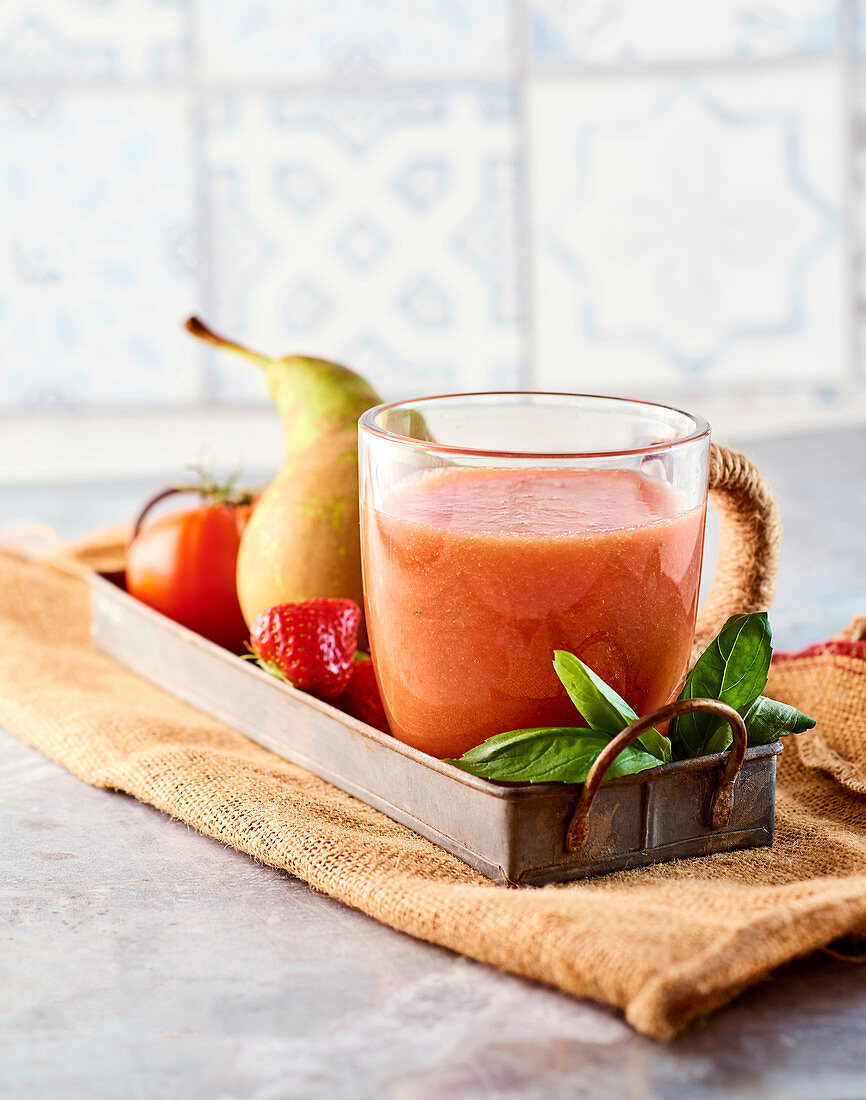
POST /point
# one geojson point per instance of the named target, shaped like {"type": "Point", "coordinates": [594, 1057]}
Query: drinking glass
{"type": "Point", "coordinates": [497, 528]}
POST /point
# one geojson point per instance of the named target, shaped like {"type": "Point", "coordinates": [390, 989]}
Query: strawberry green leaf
{"type": "Point", "coordinates": [267, 666]}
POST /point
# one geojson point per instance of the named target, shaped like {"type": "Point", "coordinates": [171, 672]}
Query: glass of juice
{"type": "Point", "coordinates": [499, 527]}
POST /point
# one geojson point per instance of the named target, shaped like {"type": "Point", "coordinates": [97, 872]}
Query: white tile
{"type": "Point", "coordinates": [858, 226]}
{"type": "Point", "coordinates": [687, 233]}
{"type": "Point", "coordinates": [616, 31]}
{"type": "Point", "coordinates": [96, 202]}
{"type": "Point", "coordinates": [301, 39]}
{"type": "Point", "coordinates": [92, 40]}
{"type": "Point", "coordinates": [377, 229]}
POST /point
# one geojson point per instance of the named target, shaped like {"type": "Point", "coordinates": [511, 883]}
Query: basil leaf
{"type": "Point", "coordinates": [599, 704]}
{"type": "Point", "coordinates": [549, 754]}
{"type": "Point", "coordinates": [733, 669]}
{"type": "Point", "coordinates": [767, 720]}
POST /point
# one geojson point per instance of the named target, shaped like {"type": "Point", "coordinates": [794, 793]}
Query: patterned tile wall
{"type": "Point", "coordinates": [645, 196]}
{"type": "Point", "coordinates": [373, 227]}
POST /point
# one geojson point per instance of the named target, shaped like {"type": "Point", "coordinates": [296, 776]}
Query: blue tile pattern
{"type": "Point", "coordinates": [300, 39]}
{"type": "Point", "coordinates": [686, 229]}
{"type": "Point", "coordinates": [96, 258]}
{"type": "Point", "coordinates": [423, 182]}
{"type": "Point", "coordinates": [377, 228]}
{"type": "Point", "coordinates": [92, 40]}
{"type": "Point", "coordinates": [644, 195]}
{"type": "Point", "coordinates": [627, 31]}
{"type": "Point", "coordinates": [492, 253]}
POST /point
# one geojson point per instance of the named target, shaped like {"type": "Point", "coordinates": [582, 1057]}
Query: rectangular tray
{"type": "Point", "coordinates": [513, 834]}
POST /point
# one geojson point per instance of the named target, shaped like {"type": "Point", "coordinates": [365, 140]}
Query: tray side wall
{"type": "Point", "coordinates": [513, 836]}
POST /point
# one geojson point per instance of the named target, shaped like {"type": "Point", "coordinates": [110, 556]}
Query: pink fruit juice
{"type": "Point", "coordinates": [473, 577]}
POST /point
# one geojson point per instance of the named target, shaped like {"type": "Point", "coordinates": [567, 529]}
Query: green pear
{"type": "Point", "coordinates": [303, 539]}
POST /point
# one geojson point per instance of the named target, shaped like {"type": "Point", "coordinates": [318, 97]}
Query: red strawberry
{"type": "Point", "coordinates": [312, 643]}
{"type": "Point", "coordinates": [361, 698]}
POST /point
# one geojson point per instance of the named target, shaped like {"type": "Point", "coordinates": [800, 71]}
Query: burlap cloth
{"type": "Point", "coordinates": [664, 944]}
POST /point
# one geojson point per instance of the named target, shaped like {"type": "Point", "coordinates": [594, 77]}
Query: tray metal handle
{"type": "Point", "coordinates": [722, 802]}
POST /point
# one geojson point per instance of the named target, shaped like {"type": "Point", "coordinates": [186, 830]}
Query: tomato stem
{"type": "Point", "coordinates": [207, 489]}
{"type": "Point", "coordinates": [154, 500]}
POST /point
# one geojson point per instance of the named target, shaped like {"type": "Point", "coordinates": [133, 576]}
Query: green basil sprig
{"type": "Point", "coordinates": [547, 755]}
{"type": "Point", "coordinates": [767, 720]}
{"type": "Point", "coordinates": [734, 668]}
{"type": "Point", "coordinates": [604, 710]}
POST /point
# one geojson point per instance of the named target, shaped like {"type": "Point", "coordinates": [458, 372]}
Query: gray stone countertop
{"type": "Point", "coordinates": [140, 959]}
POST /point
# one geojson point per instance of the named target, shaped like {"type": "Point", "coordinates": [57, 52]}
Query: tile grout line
{"type": "Point", "coordinates": [854, 250]}
{"type": "Point", "coordinates": [382, 82]}
{"type": "Point", "coordinates": [203, 220]}
{"type": "Point", "coordinates": [377, 84]}
{"type": "Point", "coordinates": [688, 67]}
{"type": "Point", "coordinates": [790, 392]}
{"type": "Point", "coordinates": [525, 250]}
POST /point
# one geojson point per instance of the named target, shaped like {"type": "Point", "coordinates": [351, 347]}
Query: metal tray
{"type": "Point", "coordinates": [517, 835]}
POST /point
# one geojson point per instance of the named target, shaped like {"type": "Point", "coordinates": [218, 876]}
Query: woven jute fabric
{"type": "Point", "coordinates": [664, 944]}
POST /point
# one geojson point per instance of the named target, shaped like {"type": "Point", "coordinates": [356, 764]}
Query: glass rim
{"type": "Point", "coordinates": [366, 423]}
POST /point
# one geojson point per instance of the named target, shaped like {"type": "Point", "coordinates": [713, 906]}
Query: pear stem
{"type": "Point", "coordinates": [200, 329]}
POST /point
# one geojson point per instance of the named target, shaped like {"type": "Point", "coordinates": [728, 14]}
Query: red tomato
{"type": "Point", "coordinates": [183, 564]}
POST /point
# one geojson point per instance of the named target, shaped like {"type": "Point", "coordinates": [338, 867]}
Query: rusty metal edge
{"type": "Point", "coordinates": [693, 848]}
